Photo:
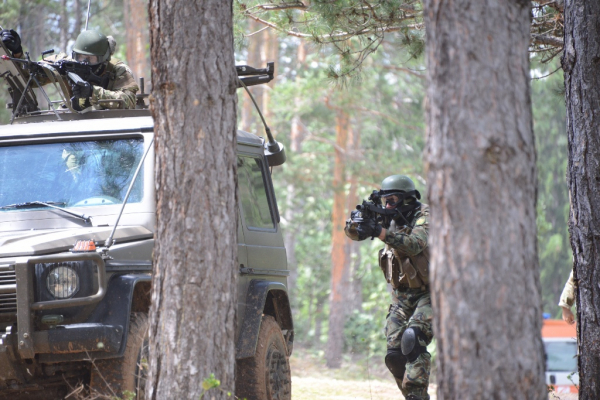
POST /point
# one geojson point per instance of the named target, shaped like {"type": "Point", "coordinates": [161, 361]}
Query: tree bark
{"type": "Point", "coordinates": [482, 192]}
{"type": "Point", "coordinates": [195, 278]}
{"type": "Point", "coordinates": [340, 278]}
{"type": "Point", "coordinates": [136, 37]}
{"type": "Point", "coordinates": [582, 79]}
{"type": "Point", "coordinates": [77, 17]}
{"type": "Point", "coordinates": [248, 109]}
{"type": "Point", "coordinates": [64, 26]}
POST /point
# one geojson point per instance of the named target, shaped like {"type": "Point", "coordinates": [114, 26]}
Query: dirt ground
{"type": "Point", "coordinates": [355, 380]}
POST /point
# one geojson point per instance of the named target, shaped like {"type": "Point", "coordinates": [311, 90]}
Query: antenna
{"type": "Point", "coordinates": [87, 19]}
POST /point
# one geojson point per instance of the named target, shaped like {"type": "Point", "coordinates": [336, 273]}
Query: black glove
{"type": "Point", "coordinates": [11, 40]}
{"type": "Point", "coordinates": [368, 228]}
{"type": "Point", "coordinates": [82, 90]}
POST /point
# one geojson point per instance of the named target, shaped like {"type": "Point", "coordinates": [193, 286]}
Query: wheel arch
{"type": "Point", "coordinates": [269, 298]}
{"type": "Point", "coordinates": [132, 290]}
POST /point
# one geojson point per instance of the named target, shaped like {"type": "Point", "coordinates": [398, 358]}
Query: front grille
{"type": "Point", "coordinates": [8, 289]}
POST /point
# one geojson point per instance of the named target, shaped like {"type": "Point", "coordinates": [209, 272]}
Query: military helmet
{"type": "Point", "coordinates": [399, 184]}
{"type": "Point", "coordinates": [91, 43]}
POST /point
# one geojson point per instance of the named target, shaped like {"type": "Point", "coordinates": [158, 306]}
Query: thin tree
{"type": "Point", "coordinates": [195, 280]}
{"type": "Point", "coordinates": [340, 263]}
{"type": "Point", "coordinates": [482, 193]}
{"type": "Point", "coordinates": [136, 35]}
{"type": "Point", "coordinates": [582, 80]}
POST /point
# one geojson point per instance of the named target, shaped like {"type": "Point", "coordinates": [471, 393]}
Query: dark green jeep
{"type": "Point", "coordinates": [77, 218]}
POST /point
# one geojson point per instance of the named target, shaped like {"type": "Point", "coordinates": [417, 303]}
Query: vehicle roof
{"type": "Point", "coordinates": [36, 128]}
{"type": "Point", "coordinates": [557, 328]}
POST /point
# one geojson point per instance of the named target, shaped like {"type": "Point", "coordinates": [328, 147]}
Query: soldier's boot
{"type": "Point", "coordinates": [416, 378]}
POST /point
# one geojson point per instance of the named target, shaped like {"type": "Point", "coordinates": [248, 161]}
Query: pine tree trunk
{"type": "Point", "coordinates": [340, 278]}
{"type": "Point", "coordinates": [249, 116]}
{"type": "Point", "coordinates": [582, 80]}
{"type": "Point", "coordinates": [64, 26]}
{"type": "Point", "coordinates": [136, 36]}
{"type": "Point", "coordinates": [482, 192]}
{"type": "Point", "coordinates": [195, 277]}
{"type": "Point", "coordinates": [77, 17]}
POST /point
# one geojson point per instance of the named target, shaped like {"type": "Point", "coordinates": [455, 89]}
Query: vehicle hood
{"type": "Point", "coordinates": [48, 241]}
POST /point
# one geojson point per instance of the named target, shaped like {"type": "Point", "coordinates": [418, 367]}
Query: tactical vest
{"type": "Point", "coordinates": [402, 271]}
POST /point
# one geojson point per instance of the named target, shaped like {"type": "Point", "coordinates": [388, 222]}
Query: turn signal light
{"type": "Point", "coordinates": [84, 245]}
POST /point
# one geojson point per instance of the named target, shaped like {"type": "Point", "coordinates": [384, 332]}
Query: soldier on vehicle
{"type": "Point", "coordinates": [567, 299]}
{"type": "Point", "coordinates": [95, 49]}
{"type": "Point", "coordinates": [405, 264]}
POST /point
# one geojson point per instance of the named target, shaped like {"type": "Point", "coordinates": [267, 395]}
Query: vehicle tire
{"type": "Point", "coordinates": [266, 375]}
{"type": "Point", "coordinates": [116, 376]}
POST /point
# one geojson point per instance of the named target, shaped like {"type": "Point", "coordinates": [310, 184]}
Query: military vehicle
{"type": "Point", "coordinates": [77, 220]}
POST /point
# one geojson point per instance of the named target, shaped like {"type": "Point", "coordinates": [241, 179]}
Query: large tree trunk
{"type": "Point", "coordinates": [482, 191]}
{"type": "Point", "coordinates": [340, 277]}
{"type": "Point", "coordinates": [195, 275]}
{"type": "Point", "coordinates": [582, 80]}
{"type": "Point", "coordinates": [136, 36]}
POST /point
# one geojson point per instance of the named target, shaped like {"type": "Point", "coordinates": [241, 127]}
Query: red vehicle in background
{"type": "Point", "coordinates": [560, 344]}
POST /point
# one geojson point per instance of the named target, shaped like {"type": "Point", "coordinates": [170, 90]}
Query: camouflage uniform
{"type": "Point", "coordinates": [567, 298]}
{"type": "Point", "coordinates": [121, 84]}
{"type": "Point", "coordinates": [405, 264]}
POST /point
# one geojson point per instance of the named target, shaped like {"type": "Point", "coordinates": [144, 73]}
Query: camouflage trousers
{"type": "Point", "coordinates": [411, 308]}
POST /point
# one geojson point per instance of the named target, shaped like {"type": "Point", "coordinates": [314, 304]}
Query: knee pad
{"type": "Point", "coordinates": [410, 345]}
{"type": "Point", "coordinates": [396, 363]}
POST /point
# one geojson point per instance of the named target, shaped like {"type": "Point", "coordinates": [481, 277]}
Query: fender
{"type": "Point", "coordinates": [256, 305]}
{"type": "Point", "coordinates": [113, 310]}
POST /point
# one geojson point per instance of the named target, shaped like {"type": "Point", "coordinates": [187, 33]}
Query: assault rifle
{"type": "Point", "coordinates": [76, 72]}
{"type": "Point", "coordinates": [373, 209]}
{"type": "Point", "coordinates": [83, 70]}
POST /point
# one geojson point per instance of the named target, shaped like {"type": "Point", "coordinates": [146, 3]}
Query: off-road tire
{"type": "Point", "coordinates": [113, 377]}
{"type": "Point", "coordinates": [266, 375]}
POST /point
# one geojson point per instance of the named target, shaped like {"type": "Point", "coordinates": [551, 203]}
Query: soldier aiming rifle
{"type": "Point", "coordinates": [402, 224]}
{"type": "Point", "coordinates": [92, 76]}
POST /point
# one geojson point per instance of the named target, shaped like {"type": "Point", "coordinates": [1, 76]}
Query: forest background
{"type": "Point", "coordinates": [342, 139]}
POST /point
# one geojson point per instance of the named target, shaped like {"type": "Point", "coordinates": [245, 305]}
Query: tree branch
{"type": "Point", "coordinates": [547, 40]}
{"type": "Point", "coordinates": [284, 6]}
{"type": "Point", "coordinates": [340, 35]}
{"type": "Point", "coordinates": [403, 69]}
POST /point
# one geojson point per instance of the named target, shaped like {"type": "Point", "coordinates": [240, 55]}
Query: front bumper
{"type": "Point", "coordinates": [70, 338]}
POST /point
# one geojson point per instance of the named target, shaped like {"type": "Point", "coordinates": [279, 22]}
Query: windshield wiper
{"type": "Point", "coordinates": [51, 204]}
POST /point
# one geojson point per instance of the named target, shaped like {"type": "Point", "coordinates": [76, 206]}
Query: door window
{"type": "Point", "coordinates": [253, 196]}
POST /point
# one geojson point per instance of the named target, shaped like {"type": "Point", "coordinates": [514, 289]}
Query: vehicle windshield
{"type": "Point", "coordinates": [561, 356]}
{"type": "Point", "coordinates": [77, 174]}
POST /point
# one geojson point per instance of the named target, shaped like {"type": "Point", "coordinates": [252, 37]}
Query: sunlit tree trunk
{"type": "Point", "coordinates": [77, 17]}
{"type": "Point", "coordinates": [339, 260]}
{"type": "Point", "coordinates": [195, 273]}
{"type": "Point", "coordinates": [248, 109]}
{"type": "Point", "coordinates": [354, 294]}
{"type": "Point", "coordinates": [297, 135]}
{"type": "Point", "coordinates": [64, 25]}
{"type": "Point", "coordinates": [482, 192]}
{"type": "Point", "coordinates": [136, 36]}
{"type": "Point", "coordinates": [582, 80]}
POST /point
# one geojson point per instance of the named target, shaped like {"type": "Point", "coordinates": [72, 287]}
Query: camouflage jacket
{"type": "Point", "coordinates": [121, 84]}
{"type": "Point", "coordinates": [405, 258]}
{"type": "Point", "coordinates": [567, 298]}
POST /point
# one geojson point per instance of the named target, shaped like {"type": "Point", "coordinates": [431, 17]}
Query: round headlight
{"type": "Point", "coordinates": [62, 282]}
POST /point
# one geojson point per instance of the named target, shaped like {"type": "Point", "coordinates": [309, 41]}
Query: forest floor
{"type": "Point", "coordinates": [355, 380]}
